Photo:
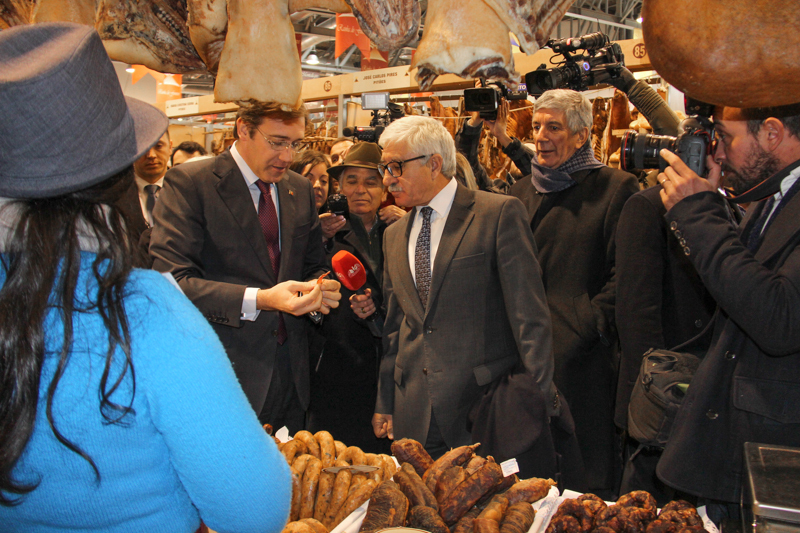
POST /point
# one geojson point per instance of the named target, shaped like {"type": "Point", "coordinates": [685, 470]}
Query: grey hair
{"type": "Point", "coordinates": [574, 105]}
{"type": "Point", "coordinates": [423, 136]}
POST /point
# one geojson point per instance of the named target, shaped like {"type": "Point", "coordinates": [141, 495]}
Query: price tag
{"type": "Point", "coordinates": [283, 435]}
{"type": "Point", "coordinates": [509, 467]}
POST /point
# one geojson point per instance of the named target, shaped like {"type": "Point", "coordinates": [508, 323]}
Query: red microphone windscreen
{"type": "Point", "coordinates": [349, 270]}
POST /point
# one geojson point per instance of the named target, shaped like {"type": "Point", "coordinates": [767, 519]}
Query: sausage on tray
{"type": "Point", "coordinates": [412, 452]}
{"type": "Point", "coordinates": [470, 491]}
{"type": "Point", "coordinates": [354, 500]}
{"type": "Point", "coordinates": [387, 507]}
{"type": "Point", "coordinates": [327, 448]}
{"type": "Point", "coordinates": [308, 439]}
{"type": "Point", "coordinates": [455, 457]}
{"type": "Point", "coordinates": [518, 518]}
{"type": "Point", "coordinates": [412, 486]}
{"type": "Point", "coordinates": [425, 518]}
{"type": "Point", "coordinates": [308, 489]}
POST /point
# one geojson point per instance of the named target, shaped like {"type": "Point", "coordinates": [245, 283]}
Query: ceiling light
{"type": "Point", "coordinates": [130, 69]}
{"type": "Point", "coordinates": [312, 59]}
{"type": "Point", "coordinates": [639, 20]}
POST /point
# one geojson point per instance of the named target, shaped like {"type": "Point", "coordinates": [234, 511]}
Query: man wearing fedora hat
{"type": "Point", "coordinates": [231, 229]}
{"type": "Point", "coordinates": [344, 376]}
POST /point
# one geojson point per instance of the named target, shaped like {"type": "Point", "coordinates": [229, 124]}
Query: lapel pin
{"type": "Point", "coordinates": [291, 192]}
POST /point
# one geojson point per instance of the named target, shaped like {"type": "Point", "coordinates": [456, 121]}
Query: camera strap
{"type": "Point", "coordinates": [766, 188]}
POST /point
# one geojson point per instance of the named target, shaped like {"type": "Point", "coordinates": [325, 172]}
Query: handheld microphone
{"type": "Point", "coordinates": [353, 275]}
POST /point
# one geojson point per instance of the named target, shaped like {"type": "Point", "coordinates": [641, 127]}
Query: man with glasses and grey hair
{"type": "Point", "coordinates": [574, 203]}
{"type": "Point", "coordinates": [465, 300]}
{"type": "Point", "coordinates": [235, 231]}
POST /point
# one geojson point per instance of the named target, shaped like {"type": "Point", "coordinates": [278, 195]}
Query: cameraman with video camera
{"type": "Point", "coordinates": [747, 388]}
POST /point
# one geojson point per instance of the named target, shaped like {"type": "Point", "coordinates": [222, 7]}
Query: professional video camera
{"type": "Point", "coordinates": [486, 100]}
{"type": "Point", "coordinates": [693, 143]}
{"type": "Point", "coordinates": [383, 113]}
{"type": "Point", "coordinates": [578, 71]}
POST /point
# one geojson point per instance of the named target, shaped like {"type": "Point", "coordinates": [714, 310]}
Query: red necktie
{"type": "Point", "coordinates": [268, 218]}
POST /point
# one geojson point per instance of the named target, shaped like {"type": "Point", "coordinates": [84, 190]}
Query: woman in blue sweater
{"type": "Point", "coordinates": [119, 410]}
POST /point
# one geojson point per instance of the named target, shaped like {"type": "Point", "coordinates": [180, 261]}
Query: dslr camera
{"type": "Point", "coordinates": [486, 100]}
{"type": "Point", "coordinates": [578, 72]}
{"type": "Point", "coordinates": [384, 112]}
{"type": "Point", "coordinates": [692, 144]}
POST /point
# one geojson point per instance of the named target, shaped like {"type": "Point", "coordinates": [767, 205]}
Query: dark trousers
{"type": "Point", "coordinates": [434, 443]}
{"type": "Point", "coordinates": [282, 405]}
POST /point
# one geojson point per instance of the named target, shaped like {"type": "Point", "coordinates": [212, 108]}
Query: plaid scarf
{"type": "Point", "coordinates": [547, 180]}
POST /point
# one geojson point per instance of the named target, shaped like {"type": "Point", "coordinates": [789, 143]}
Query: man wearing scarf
{"type": "Point", "coordinates": [574, 202]}
{"type": "Point", "coordinates": [747, 388]}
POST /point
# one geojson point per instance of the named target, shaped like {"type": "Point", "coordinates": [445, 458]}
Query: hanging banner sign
{"type": "Point", "coordinates": [348, 33]}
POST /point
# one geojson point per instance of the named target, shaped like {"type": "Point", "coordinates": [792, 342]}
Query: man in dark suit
{"type": "Point", "coordinates": [233, 249]}
{"type": "Point", "coordinates": [573, 204]}
{"type": "Point", "coordinates": [465, 302]}
{"type": "Point", "coordinates": [747, 387]}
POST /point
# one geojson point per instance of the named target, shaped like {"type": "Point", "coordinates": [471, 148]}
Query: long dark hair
{"type": "Point", "coordinates": [41, 261]}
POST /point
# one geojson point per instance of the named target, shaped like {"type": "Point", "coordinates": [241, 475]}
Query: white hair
{"type": "Point", "coordinates": [575, 106]}
{"type": "Point", "coordinates": [423, 136]}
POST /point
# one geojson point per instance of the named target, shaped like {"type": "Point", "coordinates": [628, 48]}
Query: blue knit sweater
{"type": "Point", "coordinates": [193, 450]}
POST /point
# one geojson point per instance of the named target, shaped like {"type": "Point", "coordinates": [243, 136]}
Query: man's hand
{"type": "Point", "coordinates": [382, 426]}
{"type": "Point", "coordinates": [362, 304]}
{"type": "Point", "coordinates": [678, 181]}
{"type": "Point", "coordinates": [391, 214]}
{"type": "Point", "coordinates": [475, 119]}
{"type": "Point", "coordinates": [330, 295]}
{"type": "Point", "coordinates": [331, 224]}
{"type": "Point", "coordinates": [300, 297]}
{"type": "Point", "coordinates": [498, 126]}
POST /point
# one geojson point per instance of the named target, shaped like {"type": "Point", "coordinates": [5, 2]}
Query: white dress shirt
{"type": "Point", "coordinates": [249, 311]}
{"type": "Point", "coordinates": [441, 204]}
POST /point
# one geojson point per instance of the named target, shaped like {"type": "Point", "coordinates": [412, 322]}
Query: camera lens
{"type": "Point", "coordinates": [640, 151]}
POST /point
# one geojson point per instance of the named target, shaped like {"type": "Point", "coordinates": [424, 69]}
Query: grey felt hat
{"type": "Point", "coordinates": [64, 123]}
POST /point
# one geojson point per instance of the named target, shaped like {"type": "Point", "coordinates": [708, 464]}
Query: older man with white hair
{"type": "Point", "coordinates": [465, 301]}
{"type": "Point", "coordinates": [573, 203]}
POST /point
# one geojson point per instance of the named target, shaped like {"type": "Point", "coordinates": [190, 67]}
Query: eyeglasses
{"type": "Point", "coordinates": [279, 146]}
{"type": "Point", "coordinates": [395, 168]}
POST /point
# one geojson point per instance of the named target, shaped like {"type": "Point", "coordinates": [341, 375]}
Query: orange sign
{"type": "Point", "coordinates": [348, 32]}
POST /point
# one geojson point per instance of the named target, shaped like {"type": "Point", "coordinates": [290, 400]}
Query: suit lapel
{"type": "Point", "coordinates": [233, 191]}
{"type": "Point", "coordinates": [288, 219]}
{"type": "Point", "coordinates": [404, 287]}
{"type": "Point", "coordinates": [458, 220]}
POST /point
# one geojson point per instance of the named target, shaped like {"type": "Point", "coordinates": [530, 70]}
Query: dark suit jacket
{"type": "Point", "coordinates": [661, 301]}
{"type": "Point", "coordinates": [207, 234]}
{"type": "Point", "coordinates": [486, 312]}
{"type": "Point", "coordinates": [748, 386]}
{"type": "Point", "coordinates": [575, 230]}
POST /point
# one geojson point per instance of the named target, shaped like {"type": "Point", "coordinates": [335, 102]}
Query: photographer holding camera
{"type": "Point", "coordinates": [747, 387]}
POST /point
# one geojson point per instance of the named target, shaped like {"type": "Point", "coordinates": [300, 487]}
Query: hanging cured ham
{"type": "Point", "coordinates": [208, 25]}
{"type": "Point", "coordinates": [150, 33]}
{"type": "Point", "coordinates": [532, 21]}
{"type": "Point", "coordinates": [389, 24]}
{"type": "Point", "coordinates": [259, 60]}
{"type": "Point", "coordinates": [463, 38]}
{"type": "Point", "coordinates": [745, 53]}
